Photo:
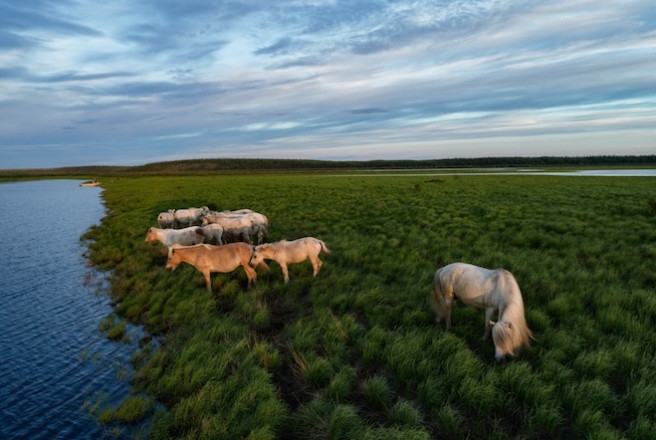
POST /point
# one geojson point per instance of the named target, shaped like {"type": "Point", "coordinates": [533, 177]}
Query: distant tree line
{"type": "Point", "coordinates": [205, 166]}
{"type": "Point", "coordinates": [211, 165]}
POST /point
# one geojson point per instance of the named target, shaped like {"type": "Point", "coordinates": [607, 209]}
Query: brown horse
{"type": "Point", "coordinates": [210, 259]}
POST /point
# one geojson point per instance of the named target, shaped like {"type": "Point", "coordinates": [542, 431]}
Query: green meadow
{"type": "Point", "coordinates": [355, 353]}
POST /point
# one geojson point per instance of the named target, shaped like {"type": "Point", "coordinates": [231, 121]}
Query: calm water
{"type": "Point", "coordinates": [54, 362]}
{"type": "Point", "coordinates": [648, 172]}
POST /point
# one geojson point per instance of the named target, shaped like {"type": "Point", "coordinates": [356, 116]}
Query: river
{"type": "Point", "coordinates": [54, 362]}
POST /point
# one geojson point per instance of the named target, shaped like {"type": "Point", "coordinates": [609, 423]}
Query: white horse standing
{"type": "Point", "coordinates": [168, 237]}
{"type": "Point", "coordinates": [240, 225]}
{"type": "Point", "coordinates": [189, 216]}
{"type": "Point", "coordinates": [213, 232]}
{"type": "Point", "coordinates": [492, 290]}
{"type": "Point", "coordinates": [166, 219]}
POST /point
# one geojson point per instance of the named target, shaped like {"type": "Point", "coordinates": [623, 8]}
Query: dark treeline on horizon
{"type": "Point", "coordinates": [204, 166]}
{"type": "Point", "coordinates": [302, 164]}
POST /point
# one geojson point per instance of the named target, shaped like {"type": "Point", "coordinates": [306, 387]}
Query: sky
{"type": "Point", "coordinates": [129, 82]}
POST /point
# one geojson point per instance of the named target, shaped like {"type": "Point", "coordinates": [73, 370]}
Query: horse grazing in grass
{"type": "Point", "coordinates": [240, 225]}
{"type": "Point", "coordinates": [189, 216]}
{"type": "Point", "coordinates": [168, 237]}
{"type": "Point", "coordinates": [211, 259]}
{"type": "Point", "coordinates": [289, 252]}
{"type": "Point", "coordinates": [212, 232]}
{"type": "Point", "coordinates": [166, 219]}
{"type": "Point", "coordinates": [492, 290]}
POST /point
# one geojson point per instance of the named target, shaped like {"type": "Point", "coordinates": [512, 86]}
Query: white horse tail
{"type": "Point", "coordinates": [440, 303]}
{"type": "Point", "coordinates": [324, 248]}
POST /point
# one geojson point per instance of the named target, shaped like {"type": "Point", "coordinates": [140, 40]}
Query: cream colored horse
{"type": "Point", "coordinates": [211, 259]}
{"type": "Point", "coordinates": [240, 225]}
{"type": "Point", "coordinates": [187, 217]}
{"type": "Point", "coordinates": [168, 237]}
{"type": "Point", "coordinates": [492, 290]}
{"type": "Point", "coordinates": [289, 252]}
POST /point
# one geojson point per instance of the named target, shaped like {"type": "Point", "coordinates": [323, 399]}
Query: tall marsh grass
{"type": "Point", "coordinates": [356, 352]}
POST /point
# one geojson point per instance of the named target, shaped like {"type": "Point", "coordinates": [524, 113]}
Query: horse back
{"type": "Point", "coordinates": [473, 285]}
{"type": "Point", "coordinates": [299, 250]}
{"type": "Point", "coordinates": [463, 277]}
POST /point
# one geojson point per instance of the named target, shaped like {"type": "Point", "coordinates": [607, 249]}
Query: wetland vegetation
{"type": "Point", "coordinates": [356, 352]}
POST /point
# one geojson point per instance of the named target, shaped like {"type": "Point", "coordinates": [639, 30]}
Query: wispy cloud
{"type": "Point", "coordinates": [324, 79]}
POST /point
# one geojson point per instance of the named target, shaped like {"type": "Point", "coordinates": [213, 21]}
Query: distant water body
{"type": "Point", "coordinates": [607, 173]}
{"type": "Point", "coordinates": [54, 362]}
{"type": "Point", "coordinates": [499, 172]}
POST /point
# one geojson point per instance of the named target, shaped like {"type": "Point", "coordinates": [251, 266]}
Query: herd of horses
{"type": "Point", "coordinates": [188, 235]}
{"type": "Point", "coordinates": [239, 235]}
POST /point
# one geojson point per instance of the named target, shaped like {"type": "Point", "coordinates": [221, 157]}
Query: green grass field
{"type": "Point", "coordinates": [355, 353]}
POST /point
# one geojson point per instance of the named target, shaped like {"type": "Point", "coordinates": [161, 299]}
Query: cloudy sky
{"type": "Point", "coordinates": [127, 82]}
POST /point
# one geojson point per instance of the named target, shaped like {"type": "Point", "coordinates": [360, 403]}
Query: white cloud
{"type": "Point", "coordinates": [325, 79]}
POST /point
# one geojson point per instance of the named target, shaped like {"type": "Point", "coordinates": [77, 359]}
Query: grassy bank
{"type": "Point", "coordinates": [355, 353]}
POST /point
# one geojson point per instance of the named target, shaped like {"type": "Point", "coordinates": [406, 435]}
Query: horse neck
{"type": "Point", "coordinates": [513, 311]}
{"type": "Point", "coordinates": [269, 251]}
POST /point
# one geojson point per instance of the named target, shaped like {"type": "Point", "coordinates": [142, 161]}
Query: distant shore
{"type": "Point", "coordinates": [235, 165]}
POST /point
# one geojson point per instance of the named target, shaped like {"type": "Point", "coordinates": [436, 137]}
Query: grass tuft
{"type": "Point", "coordinates": [133, 410]}
{"type": "Point", "coordinates": [341, 386]}
{"type": "Point", "coordinates": [406, 415]}
{"type": "Point", "coordinates": [344, 423]}
{"type": "Point", "coordinates": [318, 373]}
{"type": "Point", "coordinates": [377, 392]}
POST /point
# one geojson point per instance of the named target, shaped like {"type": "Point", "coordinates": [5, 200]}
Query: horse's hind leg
{"type": "Point", "coordinates": [442, 307]}
{"type": "Point", "coordinates": [316, 265]}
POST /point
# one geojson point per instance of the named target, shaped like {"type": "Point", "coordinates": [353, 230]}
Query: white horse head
{"type": "Point", "coordinates": [509, 338]}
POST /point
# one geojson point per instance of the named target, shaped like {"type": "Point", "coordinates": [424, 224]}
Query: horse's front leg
{"type": "Point", "coordinates": [251, 274]}
{"type": "Point", "coordinates": [208, 281]}
{"type": "Point", "coordinates": [449, 307]}
{"type": "Point", "coordinates": [489, 313]}
{"type": "Point", "coordinates": [285, 271]}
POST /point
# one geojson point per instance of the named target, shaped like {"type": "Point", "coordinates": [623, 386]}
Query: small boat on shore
{"type": "Point", "coordinates": [93, 182]}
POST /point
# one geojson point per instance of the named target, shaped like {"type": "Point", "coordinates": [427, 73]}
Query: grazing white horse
{"type": "Point", "coordinates": [259, 231]}
{"type": "Point", "coordinates": [492, 290]}
{"type": "Point", "coordinates": [290, 252]}
{"type": "Point", "coordinates": [168, 237]}
{"type": "Point", "coordinates": [210, 259]}
{"type": "Point", "coordinates": [189, 216]}
{"type": "Point", "coordinates": [166, 219]}
{"type": "Point", "coordinates": [240, 225]}
{"type": "Point", "coordinates": [212, 232]}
